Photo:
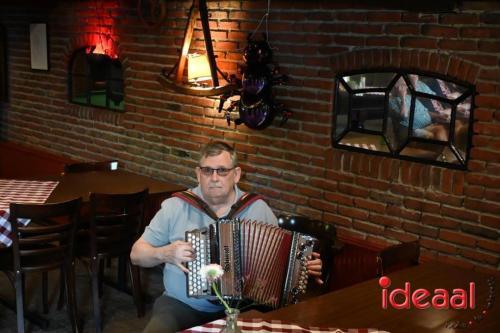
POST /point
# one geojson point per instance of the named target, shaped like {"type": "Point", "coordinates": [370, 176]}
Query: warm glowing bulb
{"type": "Point", "coordinates": [198, 68]}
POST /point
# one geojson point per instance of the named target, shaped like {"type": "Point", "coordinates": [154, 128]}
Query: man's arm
{"type": "Point", "coordinates": [145, 255]}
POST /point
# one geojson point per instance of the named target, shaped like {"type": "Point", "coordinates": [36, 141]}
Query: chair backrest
{"type": "Point", "coordinates": [47, 241]}
{"type": "Point", "coordinates": [398, 256]}
{"type": "Point", "coordinates": [91, 166]}
{"type": "Point", "coordinates": [324, 232]}
{"type": "Point", "coordinates": [115, 221]}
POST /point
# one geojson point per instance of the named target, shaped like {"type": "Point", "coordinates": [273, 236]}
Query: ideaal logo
{"type": "Point", "coordinates": [424, 299]}
{"type": "Point", "coordinates": [441, 299]}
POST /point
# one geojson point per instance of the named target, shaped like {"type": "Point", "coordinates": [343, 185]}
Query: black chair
{"type": "Point", "coordinates": [91, 166]}
{"type": "Point", "coordinates": [327, 247]}
{"type": "Point", "coordinates": [397, 257]}
{"type": "Point", "coordinates": [115, 222]}
{"type": "Point", "coordinates": [45, 244]}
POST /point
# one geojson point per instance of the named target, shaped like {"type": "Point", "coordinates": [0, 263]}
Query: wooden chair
{"type": "Point", "coordinates": [326, 235]}
{"type": "Point", "coordinates": [91, 166]}
{"type": "Point", "coordinates": [397, 257]}
{"type": "Point", "coordinates": [115, 222]}
{"type": "Point", "coordinates": [46, 244]}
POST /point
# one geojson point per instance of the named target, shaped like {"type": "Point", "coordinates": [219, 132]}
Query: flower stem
{"type": "Point", "coordinates": [214, 287]}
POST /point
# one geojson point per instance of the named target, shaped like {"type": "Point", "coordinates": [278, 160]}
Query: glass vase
{"type": "Point", "coordinates": [231, 325]}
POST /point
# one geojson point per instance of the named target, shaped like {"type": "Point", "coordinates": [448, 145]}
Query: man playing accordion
{"type": "Point", "coordinates": [163, 240]}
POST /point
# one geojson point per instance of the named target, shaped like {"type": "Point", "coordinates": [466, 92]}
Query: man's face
{"type": "Point", "coordinates": [217, 188]}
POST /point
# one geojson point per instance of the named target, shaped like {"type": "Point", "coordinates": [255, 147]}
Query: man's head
{"type": "Point", "coordinates": [218, 172]}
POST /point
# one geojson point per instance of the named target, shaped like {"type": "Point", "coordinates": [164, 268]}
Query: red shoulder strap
{"type": "Point", "coordinates": [246, 200]}
{"type": "Point", "coordinates": [196, 202]}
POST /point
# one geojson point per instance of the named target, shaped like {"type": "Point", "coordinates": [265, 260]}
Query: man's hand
{"type": "Point", "coordinates": [314, 265]}
{"type": "Point", "coordinates": [178, 253]}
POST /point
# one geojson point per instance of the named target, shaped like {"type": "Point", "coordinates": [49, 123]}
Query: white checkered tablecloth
{"type": "Point", "coordinates": [257, 325]}
{"type": "Point", "coordinates": [20, 191]}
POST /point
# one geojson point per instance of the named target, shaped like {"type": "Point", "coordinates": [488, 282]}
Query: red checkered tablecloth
{"type": "Point", "coordinates": [258, 325]}
{"type": "Point", "coordinates": [20, 191]}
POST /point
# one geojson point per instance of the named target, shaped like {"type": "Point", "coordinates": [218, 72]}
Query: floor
{"type": "Point", "coordinates": [119, 312]}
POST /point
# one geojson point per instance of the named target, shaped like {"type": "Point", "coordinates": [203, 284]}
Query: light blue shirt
{"type": "Point", "coordinates": [170, 224]}
{"type": "Point", "coordinates": [421, 116]}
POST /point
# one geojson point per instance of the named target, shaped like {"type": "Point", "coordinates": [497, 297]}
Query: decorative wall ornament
{"type": "Point", "coordinates": [174, 79]}
{"type": "Point", "coordinates": [38, 46]}
{"type": "Point", "coordinates": [152, 12]}
{"type": "Point", "coordinates": [256, 104]}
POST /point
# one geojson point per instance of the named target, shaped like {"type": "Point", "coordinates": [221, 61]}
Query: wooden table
{"type": "Point", "coordinates": [359, 306]}
{"type": "Point", "coordinates": [73, 185]}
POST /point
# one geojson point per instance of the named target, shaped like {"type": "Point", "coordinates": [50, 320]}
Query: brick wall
{"type": "Point", "coordinates": [454, 214]}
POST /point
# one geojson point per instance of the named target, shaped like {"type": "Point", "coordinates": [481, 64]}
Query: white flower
{"type": "Point", "coordinates": [211, 272]}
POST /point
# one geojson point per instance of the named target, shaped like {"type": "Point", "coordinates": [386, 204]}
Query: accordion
{"type": "Point", "coordinates": [261, 262]}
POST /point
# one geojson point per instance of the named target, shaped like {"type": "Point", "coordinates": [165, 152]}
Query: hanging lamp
{"type": "Point", "coordinates": [197, 86]}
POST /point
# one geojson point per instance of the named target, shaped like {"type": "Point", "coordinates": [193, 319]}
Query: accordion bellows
{"type": "Point", "coordinates": [261, 262]}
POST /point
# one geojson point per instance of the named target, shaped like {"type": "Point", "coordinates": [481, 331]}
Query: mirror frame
{"type": "Point", "coordinates": [432, 146]}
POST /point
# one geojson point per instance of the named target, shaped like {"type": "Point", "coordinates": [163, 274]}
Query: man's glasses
{"type": "Point", "coordinates": [208, 171]}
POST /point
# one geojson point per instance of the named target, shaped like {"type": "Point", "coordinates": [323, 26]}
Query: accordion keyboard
{"type": "Point", "coordinates": [196, 285]}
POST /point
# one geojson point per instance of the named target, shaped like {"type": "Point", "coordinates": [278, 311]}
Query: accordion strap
{"type": "Point", "coordinates": [246, 200]}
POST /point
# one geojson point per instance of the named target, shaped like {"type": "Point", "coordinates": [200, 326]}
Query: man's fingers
{"type": "Point", "coordinates": [318, 281]}
{"type": "Point", "coordinates": [314, 272]}
{"type": "Point", "coordinates": [182, 268]}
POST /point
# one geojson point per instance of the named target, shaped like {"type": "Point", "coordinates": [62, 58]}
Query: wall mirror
{"type": "Point", "coordinates": [409, 115]}
{"type": "Point", "coordinates": [95, 80]}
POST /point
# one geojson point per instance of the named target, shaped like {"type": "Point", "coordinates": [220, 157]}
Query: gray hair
{"type": "Point", "coordinates": [215, 148]}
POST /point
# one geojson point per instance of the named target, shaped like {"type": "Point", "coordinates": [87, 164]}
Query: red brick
{"type": "Point", "coordinates": [439, 31]}
{"type": "Point", "coordinates": [492, 195]}
{"type": "Point", "coordinates": [353, 190]}
{"type": "Point", "coordinates": [406, 214]}
{"type": "Point", "coordinates": [324, 184]}
{"type": "Point", "coordinates": [419, 42]}
{"type": "Point", "coordinates": [311, 213]}
{"type": "Point", "coordinates": [354, 213]}
{"type": "Point", "coordinates": [370, 205]}
{"type": "Point", "coordinates": [422, 205]}
{"type": "Point", "coordinates": [462, 18]}
{"type": "Point", "coordinates": [437, 245]}
{"type": "Point", "coordinates": [460, 213]}
{"type": "Point", "coordinates": [337, 219]}
{"type": "Point", "coordinates": [400, 236]}
{"type": "Point", "coordinates": [439, 221]}
{"type": "Point", "coordinates": [489, 245]}
{"type": "Point", "coordinates": [457, 45]}
{"type": "Point", "coordinates": [322, 205]}
{"type": "Point", "coordinates": [420, 229]}
{"type": "Point", "coordinates": [402, 29]}
{"type": "Point", "coordinates": [444, 198]}
{"type": "Point", "coordinates": [474, 191]}
{"type": "Point", "coordinates": [484, 180]}
{"type": "Point", "coordinates": [339, 198]}
{"type": "Point", "coordinates": [482, 206]}
{"type": "Point", "coordinates": [385, 220]}
{"type": "Point", "coordinates": [367, 227]}
{"type": "Point", "coordinates": [372, 183]}
{"type": "Point", "coordinates": [457, 238]}
{"type": "Point", "coordinates": [480, 256]}
{"type": "Point", "coordinates": [490, 221]}
{"type": "Point", "coordinates": [310, 192]}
